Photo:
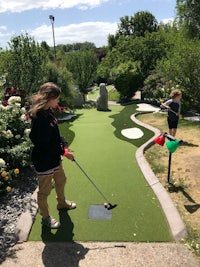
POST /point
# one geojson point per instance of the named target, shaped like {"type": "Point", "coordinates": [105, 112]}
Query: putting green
{"type": "Point", "coordinates": [109, 159]}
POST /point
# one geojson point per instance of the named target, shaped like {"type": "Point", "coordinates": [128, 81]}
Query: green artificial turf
{"type": "Point", "coordinates": [109, 159]}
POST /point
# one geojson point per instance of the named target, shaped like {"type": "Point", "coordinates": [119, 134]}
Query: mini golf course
{"type": "Point", "coordinates": [108, 157]}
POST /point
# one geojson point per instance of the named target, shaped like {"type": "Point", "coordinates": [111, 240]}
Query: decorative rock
{"type": "Point", "coordinates": [102, 100]}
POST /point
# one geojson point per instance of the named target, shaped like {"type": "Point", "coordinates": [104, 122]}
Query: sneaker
{"type": "Point", "coordinates": [50, 222]}
{"type": "Point", "coordinates": [68, 205]}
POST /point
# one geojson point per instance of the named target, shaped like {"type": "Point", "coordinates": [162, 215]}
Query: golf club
{"type": "Point", "coordinates": [107, 205]}
{"type": "Point", "coordinates": [169, 109]}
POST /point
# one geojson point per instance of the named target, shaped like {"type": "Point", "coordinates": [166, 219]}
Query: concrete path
{"type": "Point", "coordinates": [38, 254]}
{"type": "Point", "coordinates": [95, 254]}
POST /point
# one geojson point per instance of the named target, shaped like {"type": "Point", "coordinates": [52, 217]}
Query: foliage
{"type": "Point", "coordinates": [24, 64]}
{"type": "Point", "coordinates": [182, 66]}
{"type": "Point", "coordinates": [157, 88]}
{"type": "Point", "coordinates": [6, 177]}
{"type": "Point", "coordinates": [188, 16]}
{"type": "Point", "coordinates": [142, 52]}
{"type": "Point", "coordinates": [82, 65]}
{"type": "Point", "coordinates": [63, 78]}
{"type": "Point", "coordinates": [137, 25]}
{"type": "Point", "coordinates": [14, 130]}
{"type": "Point", "coordinates": [76, 47]}
{"type": "Point", "coordinates": [127, 79]}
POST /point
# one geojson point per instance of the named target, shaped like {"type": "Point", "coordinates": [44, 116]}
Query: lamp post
{"type": "Point", "coordinates": [52, 18]}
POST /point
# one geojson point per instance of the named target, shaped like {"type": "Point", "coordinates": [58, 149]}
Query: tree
{"type": "Point", "coordinates": [145, 50]}
{"type": "Point", "coordinates": [182, 65]}
{"type": "Point", "coordinates": [137, 25]}
{"type": "Point", "coordinates": [25, 63]}
{"type": "Point", "coordinates": [128, 79]}
{"type": "Point", "coordinates": [82, 65]}
{"type": "Point", "coordinates": [188, 15]}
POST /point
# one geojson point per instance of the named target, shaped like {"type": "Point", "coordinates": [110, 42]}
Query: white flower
{"type": "Point", "coordinates": [27, 131]}
{"type": "Point", "coordinates": [23, 110]}
{"type": "Point", "coordinates": [15, 110]}
{"type": "Point", "coordinates": [2, 163]}
{"type": "Point", "coordinates": [14, 99]}
{"type": "Point", "coordinates": [9, 134]}
{"type": "Point", "coordinates": [7, 108]}
{"type": "Point", "coordinates": [2, 108]}
{"type": "Point", "coordinates": [18, 136]}
{"type": "Point", "coordinates": [23, 117]}
{"type": "Point", "coordinates": [18, 105]}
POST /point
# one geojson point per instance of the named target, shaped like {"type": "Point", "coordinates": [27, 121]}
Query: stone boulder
{"type": "Point", "coordinates": [102, 100]}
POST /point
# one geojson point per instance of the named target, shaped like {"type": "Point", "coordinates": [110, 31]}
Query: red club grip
{"type": "Point", "coordinates": [66, 152]}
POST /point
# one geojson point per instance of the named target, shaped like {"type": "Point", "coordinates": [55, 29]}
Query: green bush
{"type": "Point", "coordinates": [14, 130]}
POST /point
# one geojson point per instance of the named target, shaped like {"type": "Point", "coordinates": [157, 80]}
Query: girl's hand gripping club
{"type": "Point", "coordinates": [68, 154]}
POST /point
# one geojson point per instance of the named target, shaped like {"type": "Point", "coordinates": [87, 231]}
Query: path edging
{"type": "Point", "coordinates": [26, 219]}
{"type": "Point", "coordinates": [176, 224]}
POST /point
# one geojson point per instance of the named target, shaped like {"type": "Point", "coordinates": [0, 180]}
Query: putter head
{"type": "Point", "coordinates": [111, 206]}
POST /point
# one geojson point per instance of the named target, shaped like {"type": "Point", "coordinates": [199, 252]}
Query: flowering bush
{"type": "Point", "coordinates": [6, 177]}
{"type": "Point", "coordinates": [157, 89]}
{"type": "Point", "coordinates": [14, 130]}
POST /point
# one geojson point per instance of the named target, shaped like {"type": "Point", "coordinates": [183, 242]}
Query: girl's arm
{"type": "Point", "coordinates": [166, 104]}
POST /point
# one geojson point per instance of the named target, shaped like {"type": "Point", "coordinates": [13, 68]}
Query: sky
{"type": "Point", "coordinates": [74, 20]}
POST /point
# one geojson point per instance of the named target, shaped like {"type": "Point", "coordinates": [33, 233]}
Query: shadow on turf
{"type": "Point", "coordinates": [60, 249]}
{"type": "Point", "coordinates": [190, 208]}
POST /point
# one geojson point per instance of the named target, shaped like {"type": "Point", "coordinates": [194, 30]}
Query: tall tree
{"type": "Point", "coordinates": [137, 25]}
{"type": "Point", "coordinates": [82, 65]}
{"type": "Point", "coordinates": [188, 12]}
{"type": "Point", "coordinates": [182, 65]}
{"type": "Point", "coordinates": [25, 65]}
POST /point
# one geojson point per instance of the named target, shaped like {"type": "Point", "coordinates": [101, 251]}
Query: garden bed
{"type": "Point", "coordinates": [12, 205]}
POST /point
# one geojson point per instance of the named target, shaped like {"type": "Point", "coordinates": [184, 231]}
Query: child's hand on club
{"type": "Point", "coordinates": [70, 156]}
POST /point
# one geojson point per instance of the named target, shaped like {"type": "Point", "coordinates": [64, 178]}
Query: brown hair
{"type": "Point", "coordinates": [175, 93]}
{"type": "Point", "coordinates": [46, 92]}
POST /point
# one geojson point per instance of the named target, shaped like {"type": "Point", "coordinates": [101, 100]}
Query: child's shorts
{"type": "Point", "coordinates": [172, 124]}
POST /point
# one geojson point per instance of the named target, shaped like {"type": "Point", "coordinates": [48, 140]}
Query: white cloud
{"type": "Point", "coordinates": [95, 32]}
{"type": "Point", "coordinates": [167, 21]}
{"type": "Point", "coordinates": [3, 28]}
{"type": "Point", "coordinates": [22, 5]}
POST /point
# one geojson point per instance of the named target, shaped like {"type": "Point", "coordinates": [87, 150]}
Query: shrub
{"type": "Point", "coordinates": [14, 130]}
{"type": "Point", "coordinates": [157, 89]}
{"type": "Point", "coordinates": [6, 177]}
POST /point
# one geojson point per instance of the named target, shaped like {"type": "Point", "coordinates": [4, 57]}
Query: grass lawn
{"type": "Point", "coordinates": [109, 159]}
{"type": "Point", "coordinates": [185, 191]}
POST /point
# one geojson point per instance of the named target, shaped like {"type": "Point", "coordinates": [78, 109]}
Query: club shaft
{"type": "Point", "coordinates": [91, 181]}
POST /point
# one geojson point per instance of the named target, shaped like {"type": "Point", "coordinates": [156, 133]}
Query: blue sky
{"type": "Point", "coordinates": [75, 20]}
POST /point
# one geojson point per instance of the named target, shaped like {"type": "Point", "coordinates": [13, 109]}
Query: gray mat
{"type": "Point", "coordinates": [99, 212]}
